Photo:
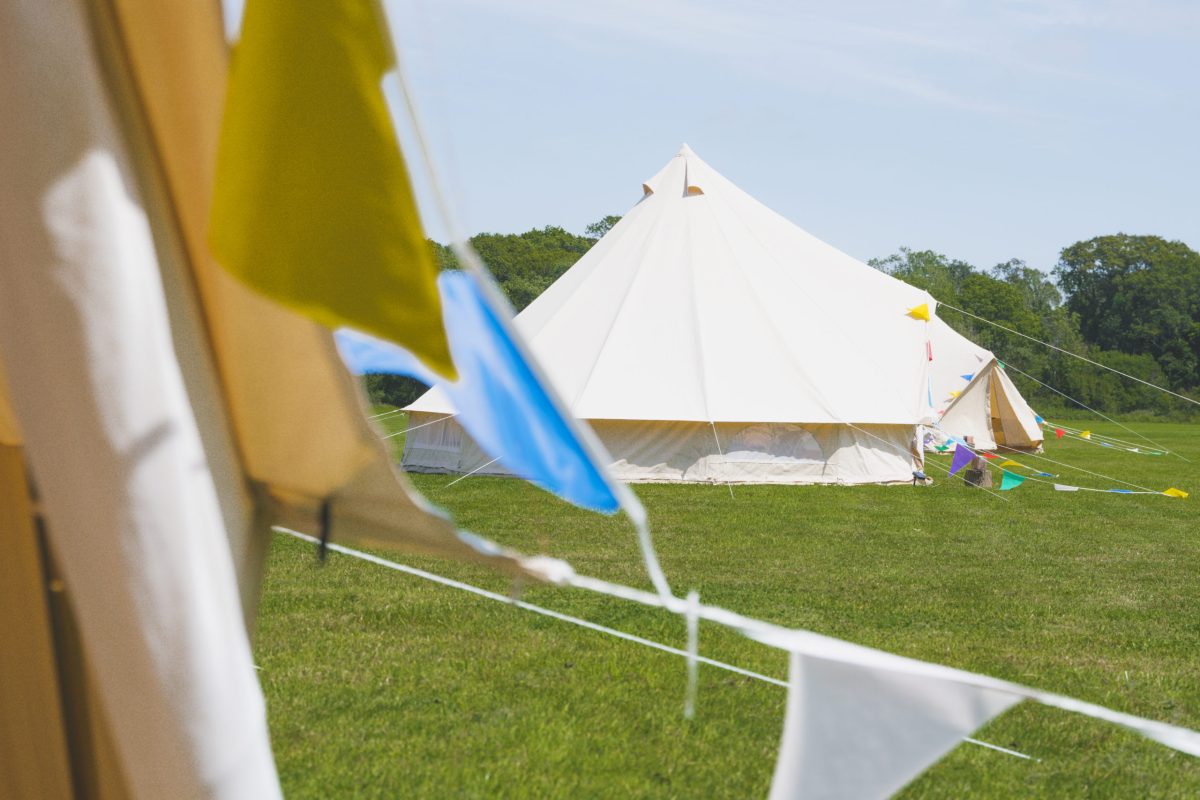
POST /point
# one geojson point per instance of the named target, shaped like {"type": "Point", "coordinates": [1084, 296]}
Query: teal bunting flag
{"type": "Point", "coordinates": [1010, 480]}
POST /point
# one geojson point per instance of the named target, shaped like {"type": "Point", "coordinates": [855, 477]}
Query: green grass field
{"type": "Point", "coordinates": [383, 685]}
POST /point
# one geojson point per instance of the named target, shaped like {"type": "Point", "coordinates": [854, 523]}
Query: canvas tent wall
{"type": "Point", "coordinates": [707, 338]}
{"type": "Point", "coordinates": [992, 412]}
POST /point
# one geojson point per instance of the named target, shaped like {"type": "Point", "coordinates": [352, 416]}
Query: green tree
{"type": "Point", "coordinates": [1137, 294]}
{"type": "Point", "coordinates": [393, 390]}
{"type": "Point", "coordinates": [602, 226]}
{"type": "Point", "coordinates": [526, 264]}
{"type": "Point", "coordinates": [942, 277]}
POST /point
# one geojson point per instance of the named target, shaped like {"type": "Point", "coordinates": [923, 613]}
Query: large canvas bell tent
{"type": "Point", "coordinates": [707, 338]}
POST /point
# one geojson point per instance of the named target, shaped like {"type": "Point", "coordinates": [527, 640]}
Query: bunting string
{"type": "Point", "coordinates": [964, 454]}
{"type": "Point", "coordinates": [1062, 430]}
{"type": "Point", "coordinates": [1080, 403]}
{"type": "Point", "coordinates": [942, 467]}
{"type": "Point", "coordinates": [1110, 438]}
{"type": "Point", "coordinates": [692, 653]}
{"type": "Point", "coordinates": [793, 641]}
{"type": "Point", "coordinates": [1078, 469]}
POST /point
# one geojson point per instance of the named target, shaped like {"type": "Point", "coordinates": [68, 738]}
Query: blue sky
{"type": "Point", "coordinates": [986, 131]}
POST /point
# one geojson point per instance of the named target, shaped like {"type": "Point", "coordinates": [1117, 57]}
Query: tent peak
{"type": "Point", "coordinates": [685, 152]}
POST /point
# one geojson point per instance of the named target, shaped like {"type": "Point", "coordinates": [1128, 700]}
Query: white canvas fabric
{"type": "Point", "coordinates": [131, 505]}
{"type": "Point", "coordinates": [682, 452]}
{"type": "Point", "coordinates": [853, 731]}
{"type": "Point", "coordinates": [148, 389]}
{"type": "Point", "coordinates": [703, 306]}
{"type": "Point", "coordinates": [992, 412]}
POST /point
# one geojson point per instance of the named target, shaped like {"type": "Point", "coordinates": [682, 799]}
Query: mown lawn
{"type": "Point", "coordinates": [384, 685]}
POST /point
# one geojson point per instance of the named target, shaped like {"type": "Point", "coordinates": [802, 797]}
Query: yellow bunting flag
{"type": "Point", "coordinates": [955, 393]}
{"type": "Point", "coordinates": [919, 312]}
{"type": "Point", "coordinates": [1173, 492]}
{"type": "Point", "coordinates": [1009, 463]}
{"type": "Point", "coordinates": [1085, 435]}
{"type": "Point", "coordinates": [312, 204]}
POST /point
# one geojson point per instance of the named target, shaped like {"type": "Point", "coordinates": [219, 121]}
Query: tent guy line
{"type": "Point", "coordinates": [422, 425]}
{"type": "Point", "coordinates": [721, 453]}
{"type": "Point", "coordinates": [1069, 353]}
{"type": "Point", "coordinates": [1009, 365]}
{"type": "Point", "coordinates": [690, 653]}
{"type": "Point", "coordinates": [802, 642]}
{"type": "Point", "coordinates": [472, 472]}
{"type": "Point", "coordinates": [928, 462]}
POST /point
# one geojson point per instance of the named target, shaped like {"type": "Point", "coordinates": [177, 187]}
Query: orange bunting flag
{"type": "Point", "coordinates": [919, 312]}
{"type": "Point", "coordinates": [1059, 432]}
{"type": "Point", "coordinates": [1173, 492]}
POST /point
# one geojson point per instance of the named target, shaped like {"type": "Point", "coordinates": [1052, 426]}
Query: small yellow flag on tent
{"type": "Point", "coordinates": [1173, 492]}
{"type": "Point", "coordinates": [955, 393]}
{"type": "Point", "coordinates": [919, 312]}
{"type": "Point", "coordinates": [312, 204]}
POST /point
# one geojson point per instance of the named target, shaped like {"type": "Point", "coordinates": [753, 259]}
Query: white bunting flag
{"type": "Point", "coordinates": [855, 731]}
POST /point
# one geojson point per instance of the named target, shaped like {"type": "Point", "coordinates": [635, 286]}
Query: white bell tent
{"type": "Point", "coordinates": [706, 338]}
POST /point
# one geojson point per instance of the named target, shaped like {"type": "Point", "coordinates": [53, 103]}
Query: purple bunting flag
{"type": "Point", "coordinates": [962, 457]}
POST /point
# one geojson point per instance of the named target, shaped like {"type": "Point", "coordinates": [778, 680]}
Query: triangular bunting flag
{"type": "Point", "coordinates": [1010, 480]}
{"type": "Point", "coordinates": [1062, 487]}
{"type": "Point", "coordinates": [499, 400]}
{"type": "Point", "coordinates": [863, 732]}
{"type": "Point", "coordinates": [1059, 432]}
{"type": "Point", "coordinates": [919, 312]}
{"type": "Point", "coordinates": [1009, 463]}
{"type": "Point", "coordinates": [962, 457]}
{"type": "Point", "coordinates": [989, 456]}
{"type": "Point", "coordinates": [941, 448]}
{"type": "Point", "coordinates": [1173, 492]}
{"type": "Point", "coordinates": [1037, 418]}
{"type": "Point", "coordinates": [1086, 435]}
{"type": "Point", "coordinates": [1045, 475]}
{"type": "Point", "coordinates": [969, 376]}
{"type": "Point", "coordinates": [955, 393]}
{"type": "Point", "coordinates": [1121, 491]}
{"type": "Point", "coordinates": [312, 204]}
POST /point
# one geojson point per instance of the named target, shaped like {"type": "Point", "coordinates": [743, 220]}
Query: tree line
{"type": "Point", "coordinates": [1129, 302]}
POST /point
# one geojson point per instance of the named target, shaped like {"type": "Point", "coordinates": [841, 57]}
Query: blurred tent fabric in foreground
{"type": "Point", "coordinates": [156, 405]}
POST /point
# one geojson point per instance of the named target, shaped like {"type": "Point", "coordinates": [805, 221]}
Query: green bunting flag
{"type": "Point", "coordinates": [1010, 480]}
